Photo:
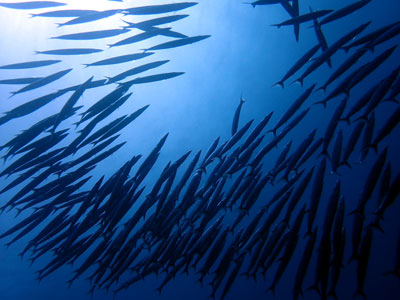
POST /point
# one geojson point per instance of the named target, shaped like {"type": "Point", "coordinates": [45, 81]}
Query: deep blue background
{"type": "Point", "coordinates": [244, 55]}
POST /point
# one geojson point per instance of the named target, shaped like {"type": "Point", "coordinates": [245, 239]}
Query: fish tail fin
{"type": "Point", "coordinates": [374, 146]}
{"type": "Point", "coordinates": [314, 287]}
{"type": "Point", "coordinates": [360, 292]}
{"type": "Point", "coordinates": [279, 83]}
{"type": "Point", "coordinates": [272, 289]}
{"type": "Point", "coordinates": [362, 118]}
{"type": "Point", "coordinates": [323, 102]}
{"type": "Point", "coordinates": [325, 154]}
{"type": "Point", "coordinates": [159, 290]}
{"type": "Point", "coordinates": [273, 131]}
{"type": "Point", "coordinates": [346, 119]}
{"type": "Point", "coordinates": [321, 88]}
{"type": "Point", "coordinates": [353, 257]}
{"type": "Point", "coordinates": [377, 226]}
{"type": "Point", "coordinates": [391, 100]}
{"type": "Point", "coordinates": [345, 163]}
{"type": "Point", "coordinates": [299, 80]}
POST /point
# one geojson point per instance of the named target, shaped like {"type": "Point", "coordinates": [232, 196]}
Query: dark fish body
{"type": "Point", "coordinates": [351, 143]}
{"type": "Point", "coordinates": [141, 37]}
{"type": "Point", "coordinates": [367, 38]}
{"type": "Point", "coordinates": [362, 266]}
{"type": "Point", "coordinates": [293, 108]}
{"type": "Point", "coordinates": [344, 67]}
{"type": "Point", "coordinates": [178, 43]}
{"type": "Point", "coordinates": [76, 51]}
{"type": "Point", "coordinates": [91, 35]}
{"type": "Point", "coordinates": [316, 195]}
{"type": "Point", "coordinates": [380, 92]}
{"type": "Point", "coordinates": [97, 15]}
{"type": "Point", "coordinates": [387, 35]}
{"type": "Point", "coordinates": [136, 70]}
{"type": "Point", "coordinates": [385, 182]}
{"type": "Point", "coordinates": [31, 64]}
{"type": "Point", "coordinates": [369, 67]}
{"type": "Point", "coordinates": [321, 38]}
{"type": "Point", "coordinates": [363, 100]}
{"type": "Point", "coordinates": [44, 81]}
{"type": "Point", "coordinates": [300, 63]}
{"type": "Point", "coordinates": [332, 50]}
{"type": "Point", "coordinates": [347, 10]}
{"type": "Point", "coordinates": [337, 152]}
{"type": "Point", "coordinates": [303, 265]}
{"type": "Point", "coordinates": [153, 78]}
{"type": "Point", "coordinates": [68, 106]}
{"type": "Point", "coordinates": [158, 9]}
{"type": "Point", "coordinates": [27, 80]}
{"type": "Point", "coordinates": [367, 137]}
{"type": "Point", "coordinates": [390, 198]}
{"type": "Point", "coordinates": [266, 2]}
{"type": "Point", "coordinates": [235, 122]}
{"type": "Point", "coordinates": [314, 147]}
{"type": "Point", "coordinates": [294, 158]}
{"type": "Point", "coordinates": [330, 130]}
{"type": "Point", "coordinates": [31, 4]}
{"type": "Point", "coordinates": [304, 18]}
{"type": "Point", "coordinates": [65, 13]}
{"type": "Point", "coordinates": [149, 24]}
{"type": "Point", "coordinates": [371, 182]}
{"type": "Point", "coordinates": [119, 59]}
{"type": "Point", "coordinates": [387, 128]}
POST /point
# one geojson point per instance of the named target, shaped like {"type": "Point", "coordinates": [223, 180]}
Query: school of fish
{"type": "Point", "coordinates": [124, 229]}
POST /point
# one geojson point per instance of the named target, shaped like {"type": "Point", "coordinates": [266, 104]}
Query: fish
{"type": "Point", "coordinates": [369, 185]}
{"type": "Point", "coordinates": [304, 18]}
{"type": "Point", "coordinates": [68, 106]}
{"type": "Point", "coordinates": [331, 50]}
{"type": "Point", "coordinates": [298, 65]}
{"type": "Point", "coordinates": [177, 43]}
{"type": "Point", "coordinates": [141, 36]}
{"type": "Point", "coordinates": [153, 78]}
{"type": "Point", "coordinates": [367, 38]}
{"type": "Point", "coordinates": [344, 11]}
{"type": "Point", "coordinates": [321, 38]}
{"type": "Point", "coordinates": [337, 152]}
{"type": "Point", "coordinates": [367, 137]}
{"type": "Point", "coordinates": [362, 266]}
{"type": "Point", "coordinates": [349, 62]}
{"type": "Point", "coordinates": [293, 109]}
{"type": "Point", "coordinates": [316, 192]}
{"type": "Point", "coordinates": [91, 35]}
{"type": "Point", "coordinates": [149, 24]}
{"type": "Point", "coordinates": [351, 143]}
{"type": "Point", "coordinates": [97, 15]}
{"type": "Point", "coordinates": [134, 71]}
{"type": "Point", "coordinates": [265, 2]}
{"type": "Point", "coordinates": [330, 129]}
{"type": "Point", "coordinates": [390, 124]}
{"type": "Point", "coordinates": [235, 121]}
{"type": "Point", "coordinates": [31, 4]}
{"type": "Point", "coordinates": [26, 80]}
{"type": "Point", "coordinates": [64, 13]}
{"type": "Point", "coordinates": [119, 59]}
{"type": "Point", "coordinates": [294, 158]}
{"type": "Point", "coordinates": [31, 64]}
{"type": "Point", "coordinates": [44, 81]}
{"type": "Point", "coordinates": [72, 51]}
{"type": "Point", "coordinates": [158, 9]}
{"type": "Point", "coordinates": [303, 265]}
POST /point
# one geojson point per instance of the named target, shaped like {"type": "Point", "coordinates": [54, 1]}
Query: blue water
{"type": "Point", "coordinates": [244, 56]}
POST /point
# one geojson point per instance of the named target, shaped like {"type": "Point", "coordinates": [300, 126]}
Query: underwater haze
{"type": "Point", "coordinates": [161, 149]}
